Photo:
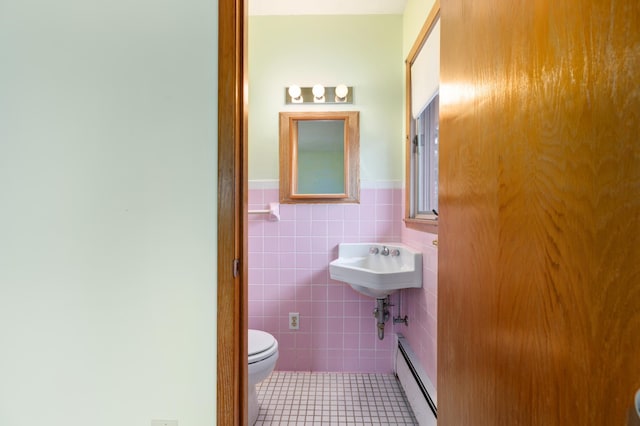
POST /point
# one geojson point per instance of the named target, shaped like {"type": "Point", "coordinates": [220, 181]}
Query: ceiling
{"type": "Point", "coordinates": [326, 7]}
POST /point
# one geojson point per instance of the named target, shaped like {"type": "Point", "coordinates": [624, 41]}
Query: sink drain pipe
{"type": "Point", "coordinates": [381, 313]}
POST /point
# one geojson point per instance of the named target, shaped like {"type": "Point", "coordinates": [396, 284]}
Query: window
{"type": "Point", "coordinates": [424, 162]}
{"type": "Point", "coordinates": [422, 124]}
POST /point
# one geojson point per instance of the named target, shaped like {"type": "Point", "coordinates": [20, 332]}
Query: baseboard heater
{"type": "Point", "coordinates": [416, 384]}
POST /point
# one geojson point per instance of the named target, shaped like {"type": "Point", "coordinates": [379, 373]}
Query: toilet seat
{"type": "Point", "coordinates": [263, 354]}
{"type": "Point", "coordinates": [262, 345]}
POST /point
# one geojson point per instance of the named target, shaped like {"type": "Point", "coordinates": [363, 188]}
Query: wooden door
{"type": "Point", "coordinates": [232, 216]}
{"type": "Point", "coordinates": [539, 234]}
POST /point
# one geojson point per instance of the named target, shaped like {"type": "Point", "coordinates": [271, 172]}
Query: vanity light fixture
{"type": "Point", "coordinates": [318, 94]}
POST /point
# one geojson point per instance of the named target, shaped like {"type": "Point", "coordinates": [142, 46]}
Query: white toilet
{"type": "Point", "coordinates": [263, 354]}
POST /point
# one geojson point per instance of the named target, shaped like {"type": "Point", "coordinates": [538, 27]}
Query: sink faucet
{"type": "Point", "coordinates": [385, 251]}
{"type": "Point", "coordinates": [373, 250]}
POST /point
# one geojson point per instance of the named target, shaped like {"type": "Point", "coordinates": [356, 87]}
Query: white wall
{"type": "Point", "coordinates": [107, 212]}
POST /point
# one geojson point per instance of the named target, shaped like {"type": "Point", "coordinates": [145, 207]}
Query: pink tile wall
{"type": "Point", "coordinates": [289, 272]}
{"type": "Point", "coordinates": [421, 305]}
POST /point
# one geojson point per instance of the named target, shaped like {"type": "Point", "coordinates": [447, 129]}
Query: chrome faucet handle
{"type": "Point", "coordinates": [373, 250]}
{"type": "Point", "coordinates": [385, 251]}
{"type": "Point", "coordinates": [395, 252]}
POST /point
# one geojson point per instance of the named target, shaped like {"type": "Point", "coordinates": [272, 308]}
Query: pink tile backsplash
{"type": "Point", "coordinates": [289, 272]}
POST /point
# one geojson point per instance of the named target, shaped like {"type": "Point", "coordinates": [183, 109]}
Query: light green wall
{"type": "Point", "coordinates": [107, 212]}
{"type": "Point", "coordinates": [364, 51]}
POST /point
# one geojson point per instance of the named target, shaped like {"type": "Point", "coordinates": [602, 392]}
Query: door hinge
{"type": "Point", "coordinates": [236, 268]}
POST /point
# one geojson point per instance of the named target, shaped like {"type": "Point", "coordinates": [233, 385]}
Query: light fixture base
{"type": "Point", "coordinates": [330, 97]}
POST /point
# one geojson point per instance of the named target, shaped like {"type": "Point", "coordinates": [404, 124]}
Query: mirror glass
{"type": "Point", "coordinates": [319, 157]}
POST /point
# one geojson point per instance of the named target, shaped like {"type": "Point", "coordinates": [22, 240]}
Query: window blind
{"type": "Point", "coordinates": [425, 72]}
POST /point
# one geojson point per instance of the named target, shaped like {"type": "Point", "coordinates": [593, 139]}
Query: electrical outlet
{"type": "Point", "coordinates": [164, 423]}
{"type": "Point", "coordinates": [294, 320]}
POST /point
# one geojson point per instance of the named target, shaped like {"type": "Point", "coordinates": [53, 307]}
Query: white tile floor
{"type": "Point", "coordinates": [302, 398]}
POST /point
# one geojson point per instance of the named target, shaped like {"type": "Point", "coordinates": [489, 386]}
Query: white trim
{"type": "Point", "coordinates": [381, 184]}
{"type": "Point", "coordinates": [367, 184]}
{"type": "Point", "coordinates": [264, 184]}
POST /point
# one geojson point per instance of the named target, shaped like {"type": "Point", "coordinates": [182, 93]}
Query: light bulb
{"type": "Point", "coordinates": [295, 92]}
{"type": "Point", "coordinates": [318, 91]}
{"type": "Point", "coordinates": [341, 92]}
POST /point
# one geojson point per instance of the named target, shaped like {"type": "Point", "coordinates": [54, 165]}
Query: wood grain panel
{"type": "Point", "coordinates": [539, 233]}
{"type": "Point", "coordinates": [231, 395]}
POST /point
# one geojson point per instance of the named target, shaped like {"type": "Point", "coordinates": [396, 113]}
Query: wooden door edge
{"type": "Point", "coordinates": [231, 366]}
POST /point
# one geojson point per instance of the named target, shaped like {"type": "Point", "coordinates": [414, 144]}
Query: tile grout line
{"type": "Point", "coordinates": [304, 398]}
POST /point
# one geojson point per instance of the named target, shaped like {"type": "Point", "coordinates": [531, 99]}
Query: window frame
{"type": "Point", "coordinates": [411, 221]}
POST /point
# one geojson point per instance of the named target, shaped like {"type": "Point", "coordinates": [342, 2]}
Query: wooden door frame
{"type": "Point", "coordinates": [231, 395]}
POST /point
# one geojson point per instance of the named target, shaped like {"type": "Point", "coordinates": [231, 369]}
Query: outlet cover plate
{"type": "Point", "coordinates": [164, 423]}
{"type": "Point", "coordinates": [294, 321]}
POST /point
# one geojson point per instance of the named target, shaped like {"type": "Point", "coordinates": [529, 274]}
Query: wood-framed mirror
{"type": "Point", "coordinates": [320, 157]}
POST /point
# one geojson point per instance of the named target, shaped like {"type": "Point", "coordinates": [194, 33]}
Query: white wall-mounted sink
{"type": "Point", "coordinates": [377, 269]}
